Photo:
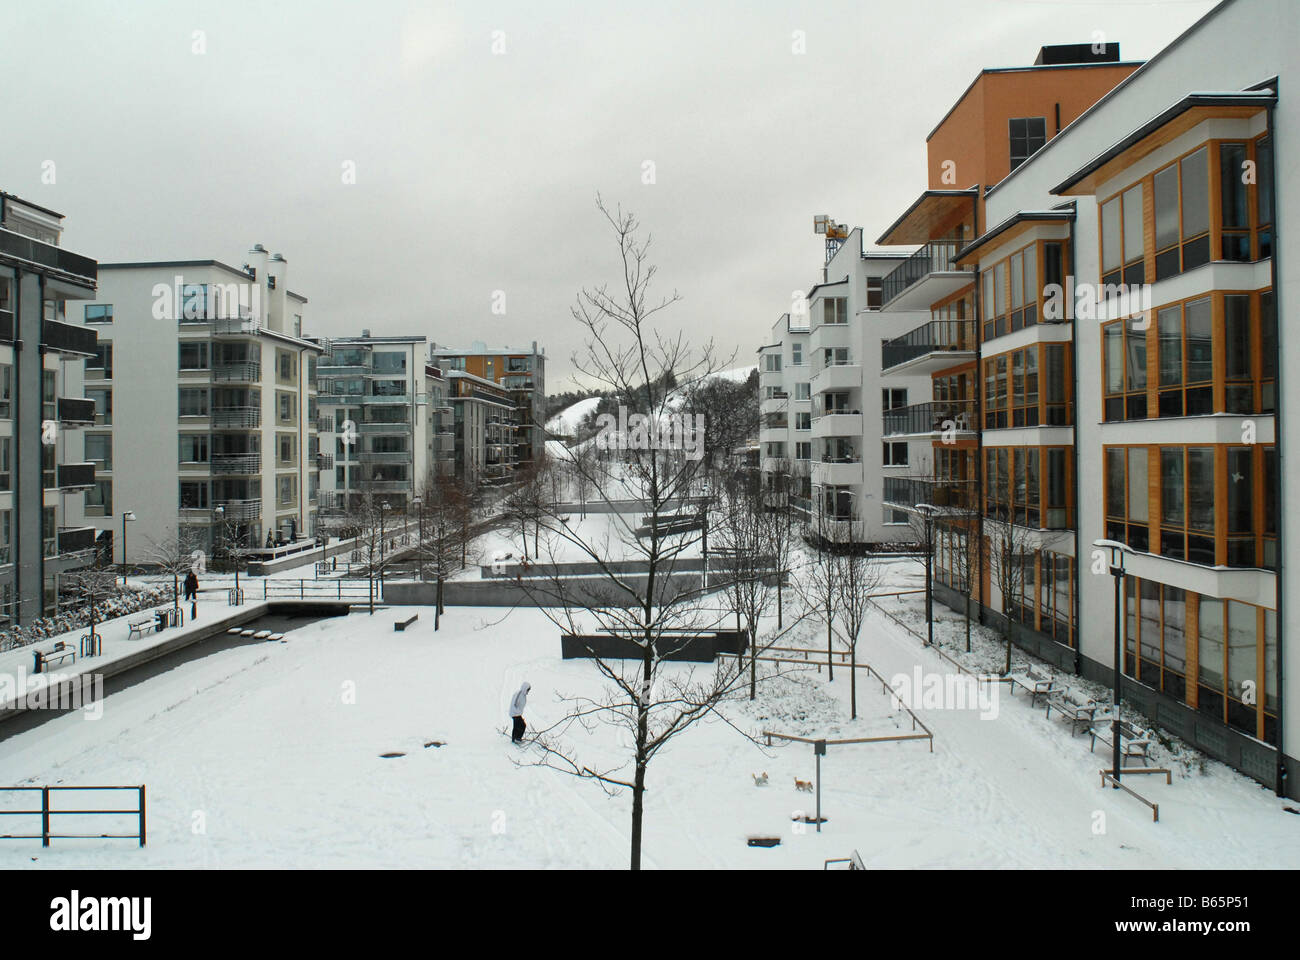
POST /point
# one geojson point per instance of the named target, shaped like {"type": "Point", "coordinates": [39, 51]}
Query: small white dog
{"type": "Point", "coordinates": [760, 780]}
{"type": "Point", "coordinates": [804, 785]}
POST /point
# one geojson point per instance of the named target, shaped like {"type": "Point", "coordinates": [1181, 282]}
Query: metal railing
{"type": "Point", "coordinates": [934, 337]}
{"type": "Point", "coordinates": [934, 257]}
{"type": "Point", "coordinates": [68, 338]}
{"type": "Point", "coordinates": [35, 251]}
{"type": "Point", "coordinates": [236, 463]}
{"type": "Point", "coordinates": [75, 410]}
{"type": "Point", "coordinates": [238, 418]}
{"type": "Point", "coordinates": [341, 589]}
{"type": "Point", "coordinates": [73, 539]}
{"type": "Point", "coordinates": [46, 812]}
{"type": "Point", "coordinates": [240, 509]}
{"type": "Point", "coordinates": [932, 417]}
{"type": "Point", "coordinates": [76, 475]}
{"type": "Point", "coordinates": [909, 491]}
{"type": "Point", "coordinates": [248, 371]}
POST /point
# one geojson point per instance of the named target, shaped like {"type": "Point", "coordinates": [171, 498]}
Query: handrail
{"type": "Point", "coordinates": [1155, 807]}
{"type": "Point", "coordinates": [45, 836]}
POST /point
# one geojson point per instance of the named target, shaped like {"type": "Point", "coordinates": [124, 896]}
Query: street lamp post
{"type": "Point", "coordinates": [1117, 551]}
{"type": "Point", "coordinates": [126, 515]}
{"type": "Point", "coordinates": [927, 510]}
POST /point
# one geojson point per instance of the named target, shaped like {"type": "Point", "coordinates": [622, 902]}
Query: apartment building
{"type": "Point", "coordinates": [375, 420]}
{"type": "Point", "coordinates": [822, 399]}
{"type": "Point", "coordinates": [522, 373]}
{"type": "Point", "coordinates": [484, 445]}
{"type": "Point", "coordinates": [204, 405]}
{"type": "Point", "coordinates": [1108, 302]}
{"type": "Point", "coordinates": [440, 438]}
{"type": "Point", "coordinates": [42, 411]}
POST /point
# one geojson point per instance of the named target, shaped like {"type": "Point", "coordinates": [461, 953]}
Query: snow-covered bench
{"type": "Point", "coordinates": [1039, 683]}
{"type": "Point", "coordinates": [56, 654]}
{"type": "Point", "coordinates": [139, 625]}
{"type": "Point", "coordinates": [401, 625]}
{"type": "Point", "coordinates": [1075, 707]}
{"type": "Point", "coordinates": [1133, 741]}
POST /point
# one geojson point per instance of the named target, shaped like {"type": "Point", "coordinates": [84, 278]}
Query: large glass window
{"type": "Point", "coordinates": [1182, 207]}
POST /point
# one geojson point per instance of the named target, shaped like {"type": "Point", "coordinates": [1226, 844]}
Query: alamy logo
{"type": "Point", "coordinates": [637, 431]}
{"type": "Point", "coordinates": [74, 913]}
{"type": "Point", "coordinates": [206, 301]}
{"type": "Point", "coordinates": [939, 691]}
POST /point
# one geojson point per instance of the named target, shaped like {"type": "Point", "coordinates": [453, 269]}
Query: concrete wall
{"type": "Point", "coordinates": [578, 591]}
{"type": "Point", "coordinates": [695, 649]}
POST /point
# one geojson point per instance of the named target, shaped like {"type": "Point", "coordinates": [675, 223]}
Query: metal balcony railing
{"type": "Point", "coordinates": [934, 337]}
{"type": "Point", "coordinates": [35, 251]}
{"type": "Point", "coordinates": [73, 475]}
{"type": "Point", "coordinates": [240, 372]}
{"type": "Point", "coordinates": [236, 418]}
{"type": "Point", "coordinates": [934, 257]}
{"type": "Point", "coordinates": [324, 461]}
{"type": "Point", "coordinates": [240, 510]}
{"type": "Point", "coordinates": [76, 539]}
{"type": "Point", "coordinates": [68, 339]}
{"type": "Point", "coordinates": [937, 492]}
{"type": "Point", "coordinates": [933, 417]}
{"type": "Point", "coordinates": [75, 411]}
{"type": "Point", "coordinates": [240, 464]}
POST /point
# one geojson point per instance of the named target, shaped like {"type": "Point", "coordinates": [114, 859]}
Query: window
{"type": "Point", "coordinates": [1024, 288]}
{"type": "Point", "coordinates": [1182, 211]}
{"type": "Point", "coordinates": [194, 495]}
{"type": "Point", "coordinates": [1028, 388]}
{"type": "Point", "coordinates": [1028, 134]}
{"type": "Point", "coordinates": [1127, 497]}
{"type": "Point", "coordinates": [1187, 504]}
{"type": "Point", "coordinates": [6, 464]}
{"type": "Point", "coordinates": [796, 353]}
{"type": "Point", "coordinates": [803, 421]}
{"type": "Point", "coordinates": [835, 310]}
{"type": "Point", "coordinates": [803, 391]}
{"type": "Point", "coordinates": [1264, 196]}
{"type": "Point", "coordinates": [99, 448]}
{"type": "Point", "coordinates": [1018, 488]}
{"type": "Point", "coordinates": [288, 490]}
{"type": "Point", "coordinates": [803, 451]}
{"type": "Point", "coordinates": [287, 450]}
{"type": "Point", "coordinates": [194, 303]}
{"type": "Point", "coordinates": [287, 406]}
{"type": "Point", "coordinates": [194, 448]}
{"type": "Point", "coordinates": [193, 355]}
{"type": "Point", "coordinates": [1124, 359]}
{"type": "Point", "coordinates": [893, 397]}
{"type": "Point", "coordinates": [100, 367]}
{"type": "Point", "coordinates": [1122, 250]}
{"type": "Point", "coordinates": [103, 398]}
{"type": "Point", "coordinates": [772, 362]}
{"type": "Point", "coordinates": [6, 390]}
{"type": "Point", "coordinates": [894, 455]}
{"type": "Point", "coordinates": [875, 293]}
{"type": "Point", "coordinates": [99, 313]}
{"type": "Point", "coordinates": [1186, 359]}
{"type": "Point", "coordinates": [284, 361]}
{"type": "Point", "coordinates": [394, 362]}
{"type": "Point", "coordinates": [193, 402]}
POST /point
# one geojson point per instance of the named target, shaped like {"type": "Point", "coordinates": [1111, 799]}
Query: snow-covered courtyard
{"type": "Point", "coordinates": [270, 754]}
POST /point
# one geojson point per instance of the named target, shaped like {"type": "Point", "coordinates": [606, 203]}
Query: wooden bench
{"type": "Point", "coordinates": [140, 624]}
{"type": "Point", "coordinates": [1037, 682]}
{"type": "Point", "coordinates": [1133, 741]}
{"type": "Point", "coordinates": [401, 625]}
{"type": "Point", "coordinates": [56, 654]}
{"type": "Point", "coordinates": [1075, 707]}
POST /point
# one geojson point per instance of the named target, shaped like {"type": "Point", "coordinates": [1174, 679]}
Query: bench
{"type": "Point", "coordinates": [1039, 683]}
{"type": "Point", "coordinates": [401, 625]}
{"type": "Point", "coordinates": [1075, 707]}
{"type": "Point", "coordinates": [56, 654]}
{"type": "Point", "coordinates": [1134, 742]}
{"type": "Point", "coordinates": [139, 625]}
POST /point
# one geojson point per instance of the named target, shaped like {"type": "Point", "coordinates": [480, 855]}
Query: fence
{"type": "Point", "coordinates": [45, 812]}
{"type": "Point", "coordinates": [319, 589]}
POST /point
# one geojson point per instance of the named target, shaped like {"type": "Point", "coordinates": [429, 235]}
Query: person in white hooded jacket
{"type": "Point", "coordinates": [517, 712]}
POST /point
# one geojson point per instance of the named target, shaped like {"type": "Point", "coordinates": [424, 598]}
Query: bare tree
{"type": "Point", "coordinates": [780, 526]}
{"type": "Point", "coordinates": [92, 585]}
{"type": "Point", "coordinates": [962, 547]}
{"type": "Point", "coordinates": [439, 546]}
{"type": "Point", "coordinates": [818, 589]}
{"type": "Point", "coordinates": [363, 518]}
{"type": "Point", "coordinates": [650, 605]}
{"type": "Point", "coordinates": [746, 562]}
{"type": "Point", "coordinates": [860, 576]}
{"type": "Point", "coordinates": [1009, 545]}
{"type": "Point", "coordinates": [176, 554]}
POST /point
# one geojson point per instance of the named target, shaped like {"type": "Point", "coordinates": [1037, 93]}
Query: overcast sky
{"type": "Point", "coordinates": [476, 171]}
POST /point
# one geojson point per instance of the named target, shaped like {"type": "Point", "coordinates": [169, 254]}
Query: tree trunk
{"type": "Point", "coordinates": [853, 679]}
{"type": "Point", "coordinates": [830, 658]}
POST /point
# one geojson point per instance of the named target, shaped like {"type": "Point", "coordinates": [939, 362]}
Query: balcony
{"type": "Point", "coordinates": [236, 418]}
{"type": "Point", "coordinates": [384, 398]}
{"type": "Point", "coordinates": [68, 339]}
{"type": "Point", "coordinates": [22, 247]}
{"type": "Point", "coordinates": [838, 375]}
{"type": "Point", "coordinates": [930, 419]}
{"type": "Point", "coordinates": [238, 464]}
{"type": "Point", "coordinates": [370, 427]}
{"type": "Point", "coordinates": [240, 511]}
{"type": "Point", "coordinates": [386, 486]}
{"type": "Point", "coordinates": [235, 327]}
{"type": "Point", "coordinates": [324, 461]}
{"type": "Point", "coordinates": [76, 476]}
{"type": "Point", "coordinates": [249, 371]}
{"type": "Point", "coordinates": [7, 326]}
{"type": "Point", "coordinates": [927, 276]}
{"type": "Point", "coordinates": [76, 539]}
{"type": "Point", "coordinates": [838, 424]}
{"type": "Point", "coordinates": [906, 492]}
{"type": "Point", "coordinates": [838, 472]}
{"type": "Point", "coordinates": [776, 404]}
{"type": "Point", "coordinates": [341, 369]}
{"type": "Point", "coordinates": [325, 425]}
{"type": "Point", "coordinates": [929, 348]}
{"type": "Point", "coordinates": [76, 412]}
{"type": "Point", "coordinates": [385, 456]}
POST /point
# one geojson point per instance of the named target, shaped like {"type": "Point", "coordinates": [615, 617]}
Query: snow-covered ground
{"type": "Point", "coordinates": [565, 423]}
{"type": "Point", "coordinates": [269, 755]}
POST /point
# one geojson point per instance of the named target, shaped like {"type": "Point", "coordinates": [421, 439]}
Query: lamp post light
{"type": "Point", "coordinates": [127, 515]}
{"type": "Point", "coordinates": [418, 503]}
{"type": "Point", "coordinates": [1117, 552]}
{"type": "Point", "coordinates": [928, 511]}
{"type": "Point", "coordinates": [383, 512]}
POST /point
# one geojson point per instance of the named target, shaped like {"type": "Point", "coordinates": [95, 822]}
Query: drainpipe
{"type": "Point", "coordinates": [1074, 432]}
{"type": "Point", "coordinates": [1280, 785]}
{"type": "Point", "coordinates": [977, 508]}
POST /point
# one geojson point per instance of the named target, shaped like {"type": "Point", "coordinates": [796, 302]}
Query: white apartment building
{"type": "Point", "coordinates": [204, 393]}
{"type": "Point", "coordinates": [838, 406]}
{"type": "Point", "coordinates": [376, 420]}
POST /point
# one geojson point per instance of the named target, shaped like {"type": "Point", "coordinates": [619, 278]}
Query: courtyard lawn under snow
{"type": "Point", "coordinates": [253, 757]}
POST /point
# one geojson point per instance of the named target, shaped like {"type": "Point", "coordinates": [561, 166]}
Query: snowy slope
{"type": "Point", "coordinates": [565, 423]}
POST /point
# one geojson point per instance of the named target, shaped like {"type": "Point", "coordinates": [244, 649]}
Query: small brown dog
{"type": "Point", "coordinates": [760, 780]}
{"type": "Point", "coordinates": [804, 785]}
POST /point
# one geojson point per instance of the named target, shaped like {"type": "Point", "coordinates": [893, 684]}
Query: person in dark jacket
{"type": "Point", "coordinates": [517, 712]}
{"type": "Point", "coordinates": [191, 586]}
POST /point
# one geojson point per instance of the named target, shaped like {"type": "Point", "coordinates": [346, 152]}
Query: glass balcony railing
{"type": "Point", "coordinates": [937, 336]}
{"type": "Point", "coordinates": [937, 492]}
{"type": "Point", "coordinates": [936, 416]}
{"type": "Point", "coordinates": [934, 257]}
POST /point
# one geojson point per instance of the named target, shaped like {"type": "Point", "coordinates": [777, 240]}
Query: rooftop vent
{"type": "Point", "coordinates": [1068, 53]}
